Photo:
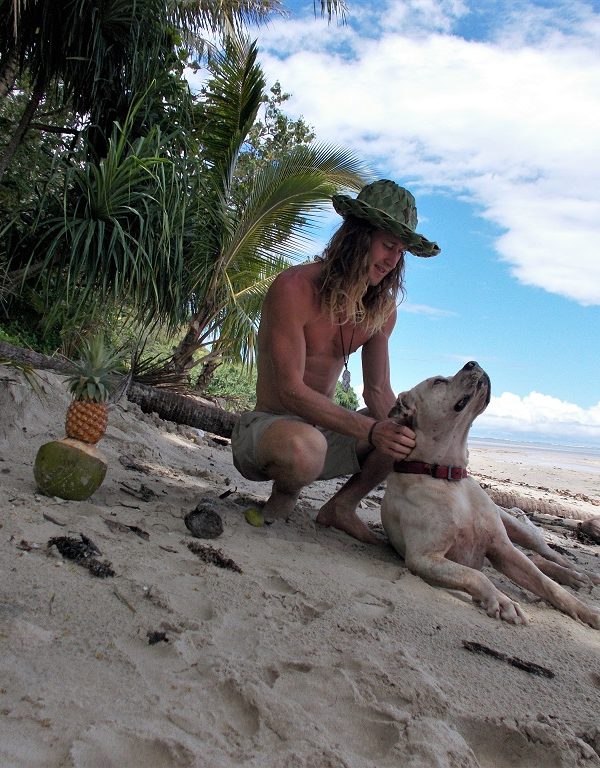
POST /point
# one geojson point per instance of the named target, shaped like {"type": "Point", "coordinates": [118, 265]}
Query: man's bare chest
{"type": "Point", "coordinates": [324, 339]}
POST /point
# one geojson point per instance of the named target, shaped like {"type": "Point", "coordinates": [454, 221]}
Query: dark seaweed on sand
{"type": "Point", "coordinates": [213, 556]}
{"type": "Point", "coordinates": [84, 552]}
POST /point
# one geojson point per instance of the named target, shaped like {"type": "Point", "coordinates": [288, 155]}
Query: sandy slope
{"type": "Point", "coordinates": [321, 653]}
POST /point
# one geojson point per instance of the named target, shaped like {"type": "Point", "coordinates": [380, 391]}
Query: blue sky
{"type": "Point", "coordinates": [489, 112]}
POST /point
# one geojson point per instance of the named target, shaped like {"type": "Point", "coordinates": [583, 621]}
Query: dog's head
{"type": "Point", "coordinates": [441, 410]}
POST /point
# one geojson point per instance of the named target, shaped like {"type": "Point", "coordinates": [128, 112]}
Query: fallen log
{"type": "Point", "coordinates": [170, 406]}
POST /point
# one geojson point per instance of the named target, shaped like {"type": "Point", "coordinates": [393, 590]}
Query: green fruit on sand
{"type": "Point", "coordinates": [254, 516]}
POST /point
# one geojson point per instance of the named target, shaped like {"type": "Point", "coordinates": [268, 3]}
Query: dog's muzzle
{"type": "Point", "coordinates": [477, 377]}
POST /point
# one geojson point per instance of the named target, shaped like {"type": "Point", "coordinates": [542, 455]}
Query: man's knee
{"type": "Point", "coordinates": [295, 450]}
{"type": "Point", "coordinates": [307, 453]}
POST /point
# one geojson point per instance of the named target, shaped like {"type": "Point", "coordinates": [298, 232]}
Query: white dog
{"type": "Point", "coordinates": [444, 524]}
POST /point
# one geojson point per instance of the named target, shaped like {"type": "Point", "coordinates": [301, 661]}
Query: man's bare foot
{"type": "Point", "coordinates": [279, 505]}
{"type": "Point", "coordinates": [345, 519]}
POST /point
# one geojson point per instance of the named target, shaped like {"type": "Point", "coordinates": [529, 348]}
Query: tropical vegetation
{"type": "Point", "coordinates": [129, 202]}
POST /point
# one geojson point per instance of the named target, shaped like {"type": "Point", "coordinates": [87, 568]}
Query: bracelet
{"type": "Point", "coordinates": [370, 437]}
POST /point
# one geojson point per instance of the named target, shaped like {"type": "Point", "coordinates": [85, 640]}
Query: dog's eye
{"type": "Point", "coordinates": [440, 381]}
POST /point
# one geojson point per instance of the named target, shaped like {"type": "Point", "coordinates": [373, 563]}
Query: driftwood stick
{"type": "Point", "coordinates": [515, 661]}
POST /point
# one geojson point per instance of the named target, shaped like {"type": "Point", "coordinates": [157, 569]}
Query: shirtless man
{"type": "Point", "coordinates": [314, 316]}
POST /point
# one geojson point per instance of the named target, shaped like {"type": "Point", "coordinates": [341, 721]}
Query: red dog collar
{"type": "Point", "coordinates": [433, 470]}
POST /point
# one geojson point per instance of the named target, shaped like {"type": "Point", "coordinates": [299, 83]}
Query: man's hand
{"type": "Point", "coordinates": [393, 439]}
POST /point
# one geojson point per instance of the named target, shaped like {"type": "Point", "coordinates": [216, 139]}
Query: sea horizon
{"type": "Point", "coordinates": [538, 443]}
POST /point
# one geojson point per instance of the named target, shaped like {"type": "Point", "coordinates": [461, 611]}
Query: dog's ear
{"type": "Point", "coordinates": [405, 410]}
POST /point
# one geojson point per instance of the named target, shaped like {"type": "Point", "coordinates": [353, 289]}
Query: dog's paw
{"type": "Point", "coordinates": [593, 577]}
{"type": "Point", "coordinates": [565, 573]}
{"type": "Point", "coordinates": [502, 607]}
{"type": "Point", "coordinates": [588, 615]}
{"type": "Point", "coordinates": [577, 580]}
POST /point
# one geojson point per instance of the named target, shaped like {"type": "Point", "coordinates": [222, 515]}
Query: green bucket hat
{"type": "Point", "coordinates": [388, 206]}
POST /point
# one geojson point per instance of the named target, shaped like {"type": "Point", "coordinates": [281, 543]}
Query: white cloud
{"type": "Point", "coordinates": [512, 125]}
{"type": "Point", "coordinates": [539, 414]}
{"type": "Point", "coordinates": [424, 309]}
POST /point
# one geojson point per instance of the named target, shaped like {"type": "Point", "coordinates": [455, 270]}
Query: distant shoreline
{"type": "Point", "coordinates": [537, 464]}
{"type": "Point", "coordinates": [535, 445]}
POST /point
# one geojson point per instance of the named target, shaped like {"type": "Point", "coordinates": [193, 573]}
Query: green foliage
{"type": "Point", "coordinates": [24, 330]}
{"type": "Point", "coordinates": [92, 208]}
{"type": "Point", "coordinates": [31, 168]}
{"type": "Point", "coordinates": [96, 61]}
{"type": "Point", "coordinates": [234, 384]}
{"type": "Point", "coordinates": [117, 235]}
{"type": "Point", "coordinates": [124, 197]}
{"type": "Point", "coordinates": [272, 136]}
{"type": "Point", "coordinates": [347, 399]}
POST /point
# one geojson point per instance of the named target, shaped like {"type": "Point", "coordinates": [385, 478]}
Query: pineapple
{"type": "Point", "coordinates": [87, 416]}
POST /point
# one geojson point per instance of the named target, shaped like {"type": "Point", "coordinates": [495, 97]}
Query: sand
{"type": "Point", "coordinates": [319, 652]}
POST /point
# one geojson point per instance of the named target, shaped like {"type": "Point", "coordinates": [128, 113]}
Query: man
{"type": "Point", "coordinates": [314, 316]}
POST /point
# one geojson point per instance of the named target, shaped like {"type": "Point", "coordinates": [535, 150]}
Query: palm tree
{"type": "Point", "coordinates": [96, 56]}
{"type": "Point", "coordinates": [239, 249]}
{"type": "Point", "coordinates": [93, 57]}
{"type": "Point", "coordinates": [98, 242]}
{"type": "Point", "coordinates": [228, 17]}
{"type": "Point", "coordinates": [159, 229]}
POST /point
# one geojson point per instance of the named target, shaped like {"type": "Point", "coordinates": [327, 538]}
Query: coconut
{"type": "Point", "coordinates": [69, 469]}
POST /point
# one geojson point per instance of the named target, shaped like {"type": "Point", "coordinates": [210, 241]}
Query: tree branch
{"type": "Point", "coordinates": [53, 128]}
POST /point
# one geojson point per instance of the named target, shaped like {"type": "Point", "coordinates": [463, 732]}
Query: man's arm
{"type": "Point", "coordinates": [377, 393]}
{"type": "Point", "coordinates": [388, 437]}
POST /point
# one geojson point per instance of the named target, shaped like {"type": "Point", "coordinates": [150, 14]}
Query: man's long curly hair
{"type": "Point", "coordinates": [345, 291]}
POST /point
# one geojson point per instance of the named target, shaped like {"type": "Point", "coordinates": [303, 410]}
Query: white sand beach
{"type": "Point", "coordinates": [316, 652]}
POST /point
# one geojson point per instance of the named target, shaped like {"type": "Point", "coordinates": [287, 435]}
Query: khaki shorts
{"type": "Point", "coordinates": [341, 458]}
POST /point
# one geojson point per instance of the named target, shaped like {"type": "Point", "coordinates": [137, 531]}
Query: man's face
{"type": "Point", "coordinates": [386, 251]}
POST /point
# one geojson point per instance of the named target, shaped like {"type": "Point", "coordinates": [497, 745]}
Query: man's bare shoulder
{"type": "Point", "coordinates": [306, 274]}
{"type": "Point", "coordinates": [299, 282]}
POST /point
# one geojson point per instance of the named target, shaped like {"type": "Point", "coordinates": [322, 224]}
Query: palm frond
{"type": "Point", "coordinates": [287, 198]}
{"type": "Point", "coordinates": [233, 95]}
{"type": "Point", "coordinates": [331, 8]}
{"type": "Point", "coordinates": [227, 17]}
{"type": "Point", "coordinates": [230, 273]}
{"type": "Point", "coordinates": [29, 373]}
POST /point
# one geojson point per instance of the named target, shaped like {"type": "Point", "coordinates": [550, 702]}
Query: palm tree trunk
{"type": "Point", "coordinates": [182, 359]}
{"type": "Point", "coordinates": [34, 359]}
{"type": "Point", "coordinates": [183, 354]}
{"type": "Point", "coordinates": [210, 363]}
{"type": "Point", "coordinates": [171, 406]}
{"type": "Point", "coordinates": [8, 73]}
{"type": "Point", "coordinates": [182, 409]}
{"type": "Point", "coordinates": [21, 130]}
